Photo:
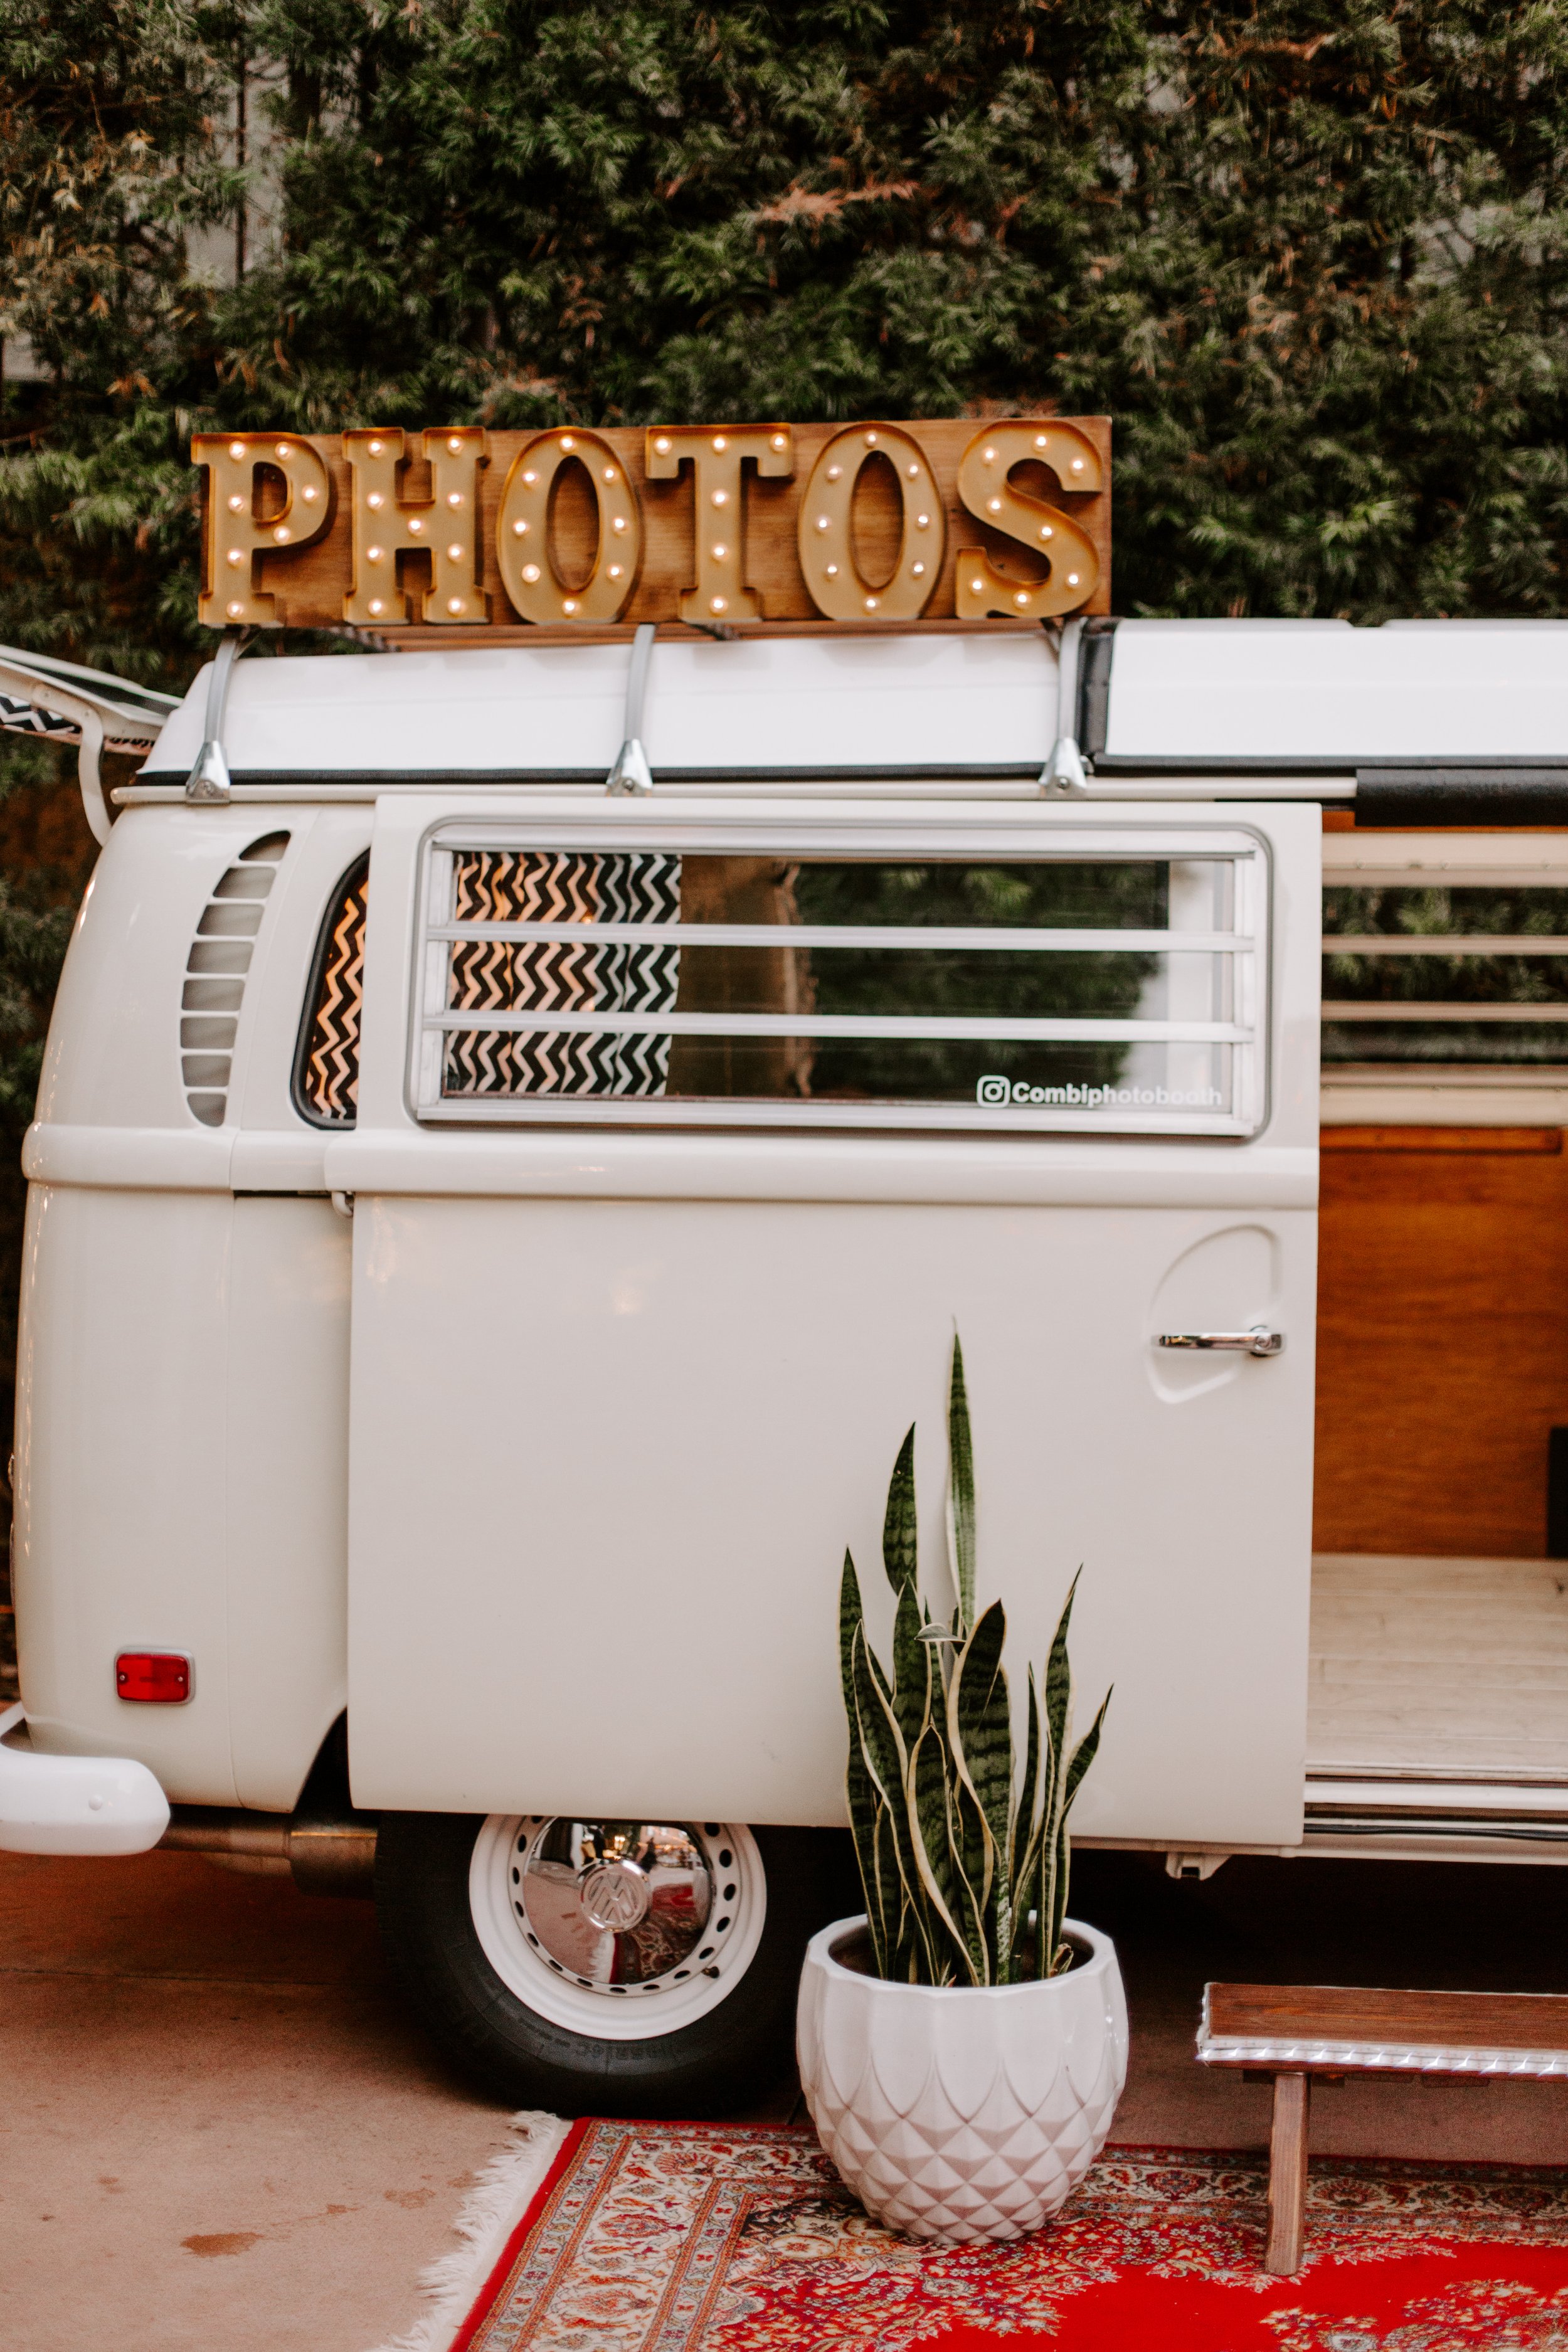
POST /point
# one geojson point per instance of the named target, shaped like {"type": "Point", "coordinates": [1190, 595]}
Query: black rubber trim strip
{"type": "Point", "coordinates": [1351, 763]}
{"type": "Point", "coordinates": [1121, 763]}
{"type": "Point", "coordinates": [1512, 795]}
{"type": "Point", "coordinates": [1095, 650]}
{"type": "Point", "coordinates": [903, 771]}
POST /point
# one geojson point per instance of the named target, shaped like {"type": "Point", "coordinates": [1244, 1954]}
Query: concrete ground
{"type": "Point", "coordinates": [218, 2128]}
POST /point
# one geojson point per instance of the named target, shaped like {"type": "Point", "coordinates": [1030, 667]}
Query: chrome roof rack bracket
{"type": "Point", "coordinates": [208, 781]}
{"type": "Point", "coordinates": [1064, 775]}
{"type": "Point", "coordinates": [631, 773]}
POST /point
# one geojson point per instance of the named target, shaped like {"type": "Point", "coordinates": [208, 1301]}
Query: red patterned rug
{"type": "Point", "coordinates": [698, 2238]}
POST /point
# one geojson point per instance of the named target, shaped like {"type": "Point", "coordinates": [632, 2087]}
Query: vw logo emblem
{"type": "Point", "coordinates": [615, 1896]}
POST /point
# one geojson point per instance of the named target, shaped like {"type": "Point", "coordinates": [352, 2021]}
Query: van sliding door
{"type": "Point", "coordinates": [689, 1133]}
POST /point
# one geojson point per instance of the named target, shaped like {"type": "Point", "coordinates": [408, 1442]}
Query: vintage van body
{"type": "Point", "coordinates": [489, 1235]}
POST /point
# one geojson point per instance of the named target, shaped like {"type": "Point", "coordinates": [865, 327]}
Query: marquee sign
{"type": "Point", "coordinates": [461, 528]}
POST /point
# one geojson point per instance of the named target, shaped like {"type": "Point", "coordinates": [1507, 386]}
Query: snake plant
{"type": "Point", "coordinates": [964, 1860]}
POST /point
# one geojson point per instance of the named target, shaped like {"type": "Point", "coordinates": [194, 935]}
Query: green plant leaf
{"type": "Point", "coordinates": [952, 1902]}
{"type": "Point", "coordinates": [981, 1907]}
{"type": "Point", "coordinates": [869, 1810]}
{"type": "Point", "coordinates": [980, 1722]}
{"type": "Point", "coordinates": [887, 1887]}
{"type": "Point", "coordinates": [1058, 1678]}
{"type": "Point", "coordinates": [1083, 1757]}
{"type": "Point", "coordinates": [888, 1764]}
{"type": "Point", "coordinates": [899, 1536]}
{"type": "Point", "coordinates": [960, 1488]}
{"type": "Point", "coordinates": [1022, 1828]}
{"type": "Point", "coordinates": [915, 1672]}
{"type": "Point", "coordinates": [980, 1740]}
{"type": "Point", "coordinates": [851, 1614]}
{"type": "Point", "coordinates": [865, 1811]}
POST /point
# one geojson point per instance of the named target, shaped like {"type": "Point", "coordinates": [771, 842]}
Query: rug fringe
{"type": "Point", "coordinates": [491, 2211]}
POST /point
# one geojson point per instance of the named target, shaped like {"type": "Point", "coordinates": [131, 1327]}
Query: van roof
{"type": "Point", "coordinates": [1322, 694]}
{"type": "Point", "coordinates": [1148, 696]}
{"type": "Point", "coordinates": [555, 713]}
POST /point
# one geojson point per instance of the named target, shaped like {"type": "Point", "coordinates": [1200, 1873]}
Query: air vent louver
{"type": "Point", "coordinates": [215, 977]}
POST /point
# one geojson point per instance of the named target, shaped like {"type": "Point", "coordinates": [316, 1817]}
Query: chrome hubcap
{"type": "Point", "coordinates": [624, 1907]}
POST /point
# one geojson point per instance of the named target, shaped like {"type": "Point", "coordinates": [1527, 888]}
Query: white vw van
{"type": "Point", "coordinates": [490, 1231]}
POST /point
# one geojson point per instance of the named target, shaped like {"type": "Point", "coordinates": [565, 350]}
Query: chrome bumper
{"type": "Point", "coordinates": [75, 1804]}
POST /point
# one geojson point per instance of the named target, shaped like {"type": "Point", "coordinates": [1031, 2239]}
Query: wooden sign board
{"type": "Point", "coordinates": [719, 525]}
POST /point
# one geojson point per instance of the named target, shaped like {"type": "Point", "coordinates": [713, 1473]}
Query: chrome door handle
{"type": "Point", "coordinates": [1257, 1342]}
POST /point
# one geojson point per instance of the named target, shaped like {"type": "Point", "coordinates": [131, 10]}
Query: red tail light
{"type": "Point", "coordinates": [159, 1676]}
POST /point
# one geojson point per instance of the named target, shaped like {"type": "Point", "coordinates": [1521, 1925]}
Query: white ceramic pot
{"type": "Point", "coordinates": [962, 2113]}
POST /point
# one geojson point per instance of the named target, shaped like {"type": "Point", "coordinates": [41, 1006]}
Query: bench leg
{"type": "Point", "coordinates": [1287, 2174]}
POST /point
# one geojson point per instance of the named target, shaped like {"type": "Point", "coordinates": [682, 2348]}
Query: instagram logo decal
{"type": "Point", "coordinates": [994, 1091]}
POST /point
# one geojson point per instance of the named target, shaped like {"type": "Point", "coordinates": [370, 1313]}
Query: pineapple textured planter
{"type": "Point", "coordinates": [959, 2112]}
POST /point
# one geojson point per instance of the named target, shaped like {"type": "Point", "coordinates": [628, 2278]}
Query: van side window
{"type": "Point", "coordinates": [214, 976]}
{"type": "Point", "coordinates": [1102, 983]}
{"type": "Point", "coordinates": [326, 1066]}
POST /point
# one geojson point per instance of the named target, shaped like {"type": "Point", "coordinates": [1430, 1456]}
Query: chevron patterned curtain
{"type": "Point", "coordinates": [327, 1081]}
{"type": "Point", "coordinates": [574, 975]}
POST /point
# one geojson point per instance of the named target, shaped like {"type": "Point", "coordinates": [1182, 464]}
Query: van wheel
{"type": "Point", "coordinates": [600, 1967]}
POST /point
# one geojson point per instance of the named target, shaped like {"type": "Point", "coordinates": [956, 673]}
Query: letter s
{"type": "Point", "coordinates": [986, 493]}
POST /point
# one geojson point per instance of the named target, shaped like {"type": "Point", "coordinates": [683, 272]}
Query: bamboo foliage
{"type": "Point", "coordinates": [963, 1857]}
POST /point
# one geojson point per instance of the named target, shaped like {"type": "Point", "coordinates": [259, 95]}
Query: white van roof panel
{"type": "Point", "coordinates": [1321, 692]}
{"type": "Point", "coordinates": [827, 703]}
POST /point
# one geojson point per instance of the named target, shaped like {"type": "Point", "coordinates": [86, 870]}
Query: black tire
{"type": "Point", "coordinates": [509, 2051]}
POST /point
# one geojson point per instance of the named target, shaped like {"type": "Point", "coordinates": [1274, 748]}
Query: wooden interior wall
{"type": "Point", "coordinates": [1442, 1339]}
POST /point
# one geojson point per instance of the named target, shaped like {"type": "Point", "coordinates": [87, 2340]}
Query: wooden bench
{"type": "Point", "coordinates": [1291, 2033]}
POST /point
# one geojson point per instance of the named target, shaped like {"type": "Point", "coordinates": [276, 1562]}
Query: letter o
{"type": "Point", "coordinates": [833, 578]}
{"type": "Point", "coordinates": [525, 501]}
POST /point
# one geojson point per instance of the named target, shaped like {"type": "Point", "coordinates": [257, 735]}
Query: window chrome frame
{"type": "Point", "coordinates": [891, 841]}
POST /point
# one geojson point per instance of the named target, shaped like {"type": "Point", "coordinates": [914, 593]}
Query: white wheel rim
{"type": "Point", "coordinates": [697, 1983]}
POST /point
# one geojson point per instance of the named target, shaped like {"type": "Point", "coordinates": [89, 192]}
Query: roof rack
{"type": "Point", "coordinates": [91, 708]}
